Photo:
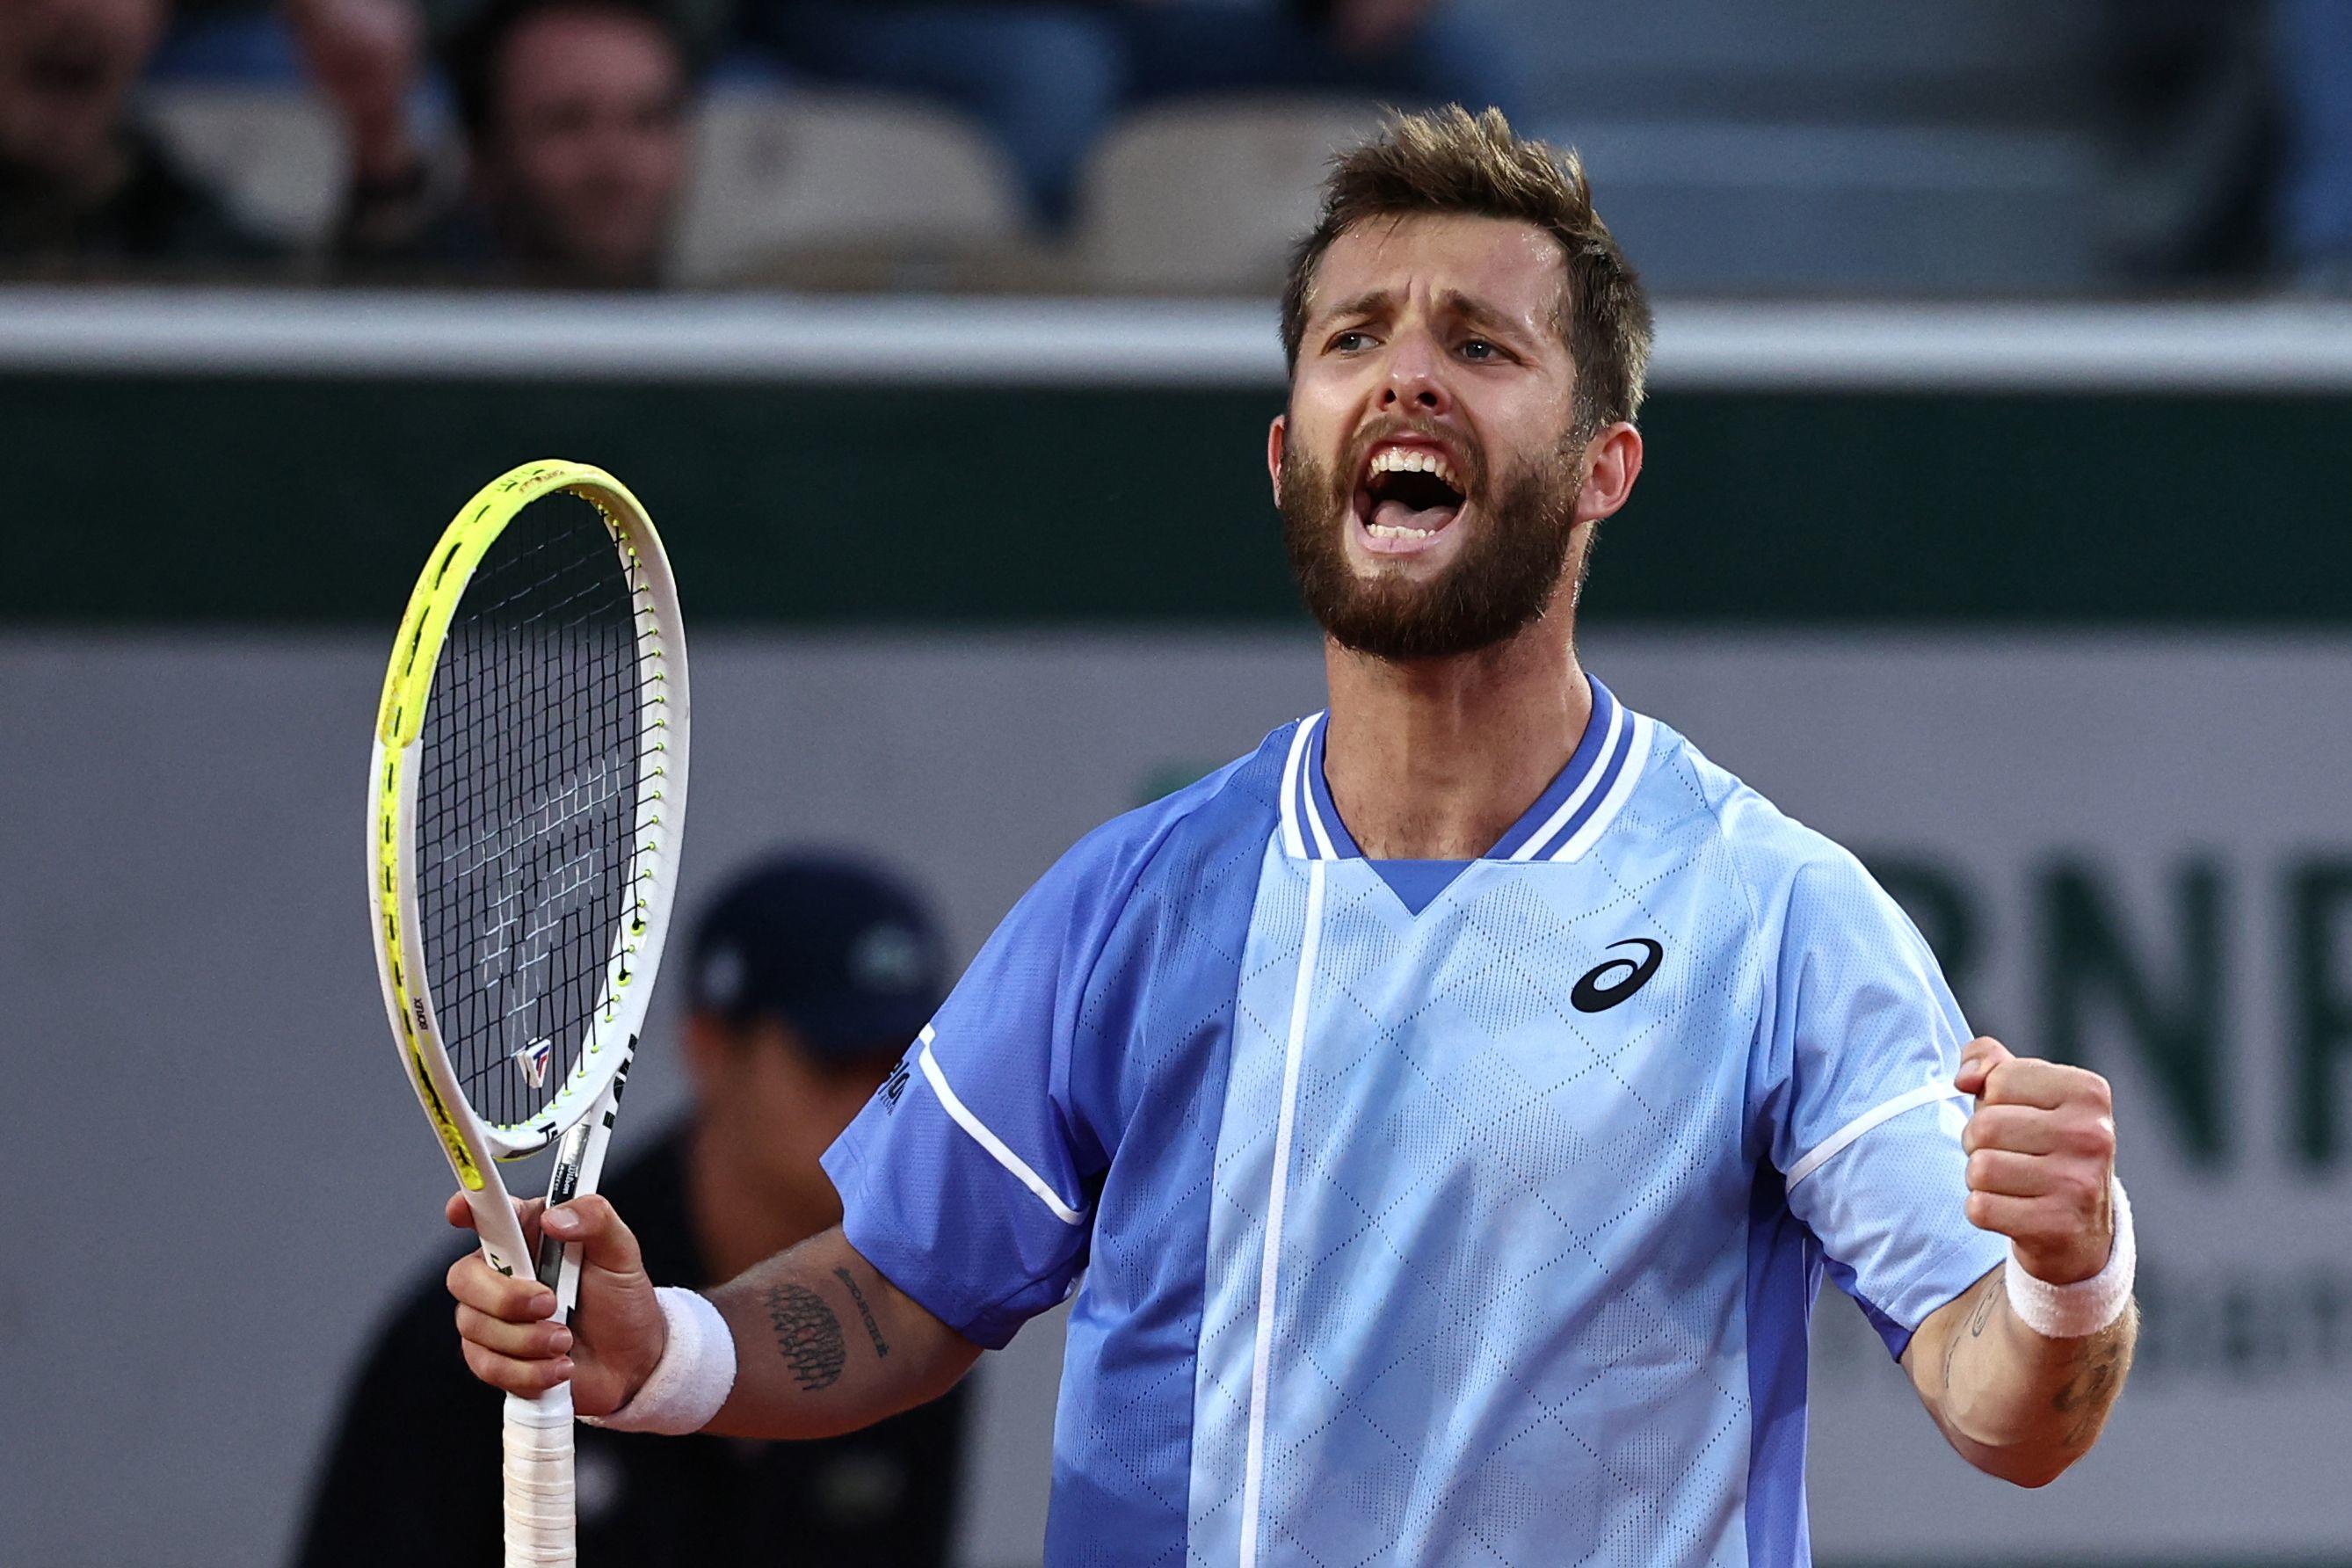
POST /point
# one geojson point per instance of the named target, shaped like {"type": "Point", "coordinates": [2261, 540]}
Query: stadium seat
{"type": "Point", "coordinates": [1939, 146]}
{"type": "Point", "coordinates": [1207, 196]}
{"type": "Point", "coordinates": [278, 154]}
{"type": "Point", "coordinates": [1741, 207]}
{"type": "Point", "coordinates": [778, 179]}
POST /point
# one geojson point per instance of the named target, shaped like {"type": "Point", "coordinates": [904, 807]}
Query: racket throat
{"type": "Point", "coordinates": [559, 1265]}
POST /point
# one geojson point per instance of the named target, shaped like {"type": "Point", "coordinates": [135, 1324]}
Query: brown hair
{"type": "Point", "coordinates": [1451, 161]}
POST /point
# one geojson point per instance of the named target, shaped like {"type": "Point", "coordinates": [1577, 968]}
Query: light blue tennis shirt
{"type": "Point", "coordinates": [1433, 1212]}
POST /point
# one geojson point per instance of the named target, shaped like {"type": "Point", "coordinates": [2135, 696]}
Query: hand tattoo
{"type": "Point", "coordinates": [808, 1334]}
{"type": "Point", "coordinates": [873, 1329]}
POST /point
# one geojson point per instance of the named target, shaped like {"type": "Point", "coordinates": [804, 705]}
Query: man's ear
{"type": "Point", "coordinates": [1276, 434]}
{"type": "Point", "coordinates": [1616, 455]}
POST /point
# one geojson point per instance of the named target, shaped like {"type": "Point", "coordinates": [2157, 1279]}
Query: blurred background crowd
{"type": "Point", "coordinates": [2076, 147]}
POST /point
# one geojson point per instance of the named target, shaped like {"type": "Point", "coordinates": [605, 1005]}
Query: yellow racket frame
{"type": "Point", "coordinates": [470, 1145]}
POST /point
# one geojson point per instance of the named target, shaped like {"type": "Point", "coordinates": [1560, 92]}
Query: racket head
{"type": "Point", "coordinates": [527, 793]}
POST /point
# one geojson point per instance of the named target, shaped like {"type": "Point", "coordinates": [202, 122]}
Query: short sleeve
{"type": "Point", "coordinates": [1864, 1041]}
{"type": "Point", "coordinates": [964, 1179]}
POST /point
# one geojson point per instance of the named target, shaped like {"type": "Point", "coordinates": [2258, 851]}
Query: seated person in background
{"type": "Point", "coordinates": [806, 980]}
{"type": "Point", "coordinates": [84, 190]}
{"type": "Point", "coordinates": [574, 118]}
{"type": "Point", "coordinates": [1047, 77]}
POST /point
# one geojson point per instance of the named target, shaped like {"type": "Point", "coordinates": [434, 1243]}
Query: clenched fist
{"type": "Point", "coordinates": [2041, 1154]}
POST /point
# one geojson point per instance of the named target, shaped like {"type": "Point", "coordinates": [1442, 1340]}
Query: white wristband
{"type": "Point", "coordinates": [2087, 1306]}
{"type": "Point", "coordinates": [692, 1379]}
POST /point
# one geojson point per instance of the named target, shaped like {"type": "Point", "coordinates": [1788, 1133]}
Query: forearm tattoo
{"type": "Point", "coordinates": [2090, 1385]}
{"type": "Point", "coordinates": [2085, 1397]}
{"type": "Point", "coordinates": [873, 1329]}
{"type": "Point", "coordinates": [808, 1334]}
{"type": "Point", "coordinates": [1987, 1292]}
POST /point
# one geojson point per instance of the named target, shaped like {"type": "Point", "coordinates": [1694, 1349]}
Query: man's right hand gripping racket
{"type": "Point", "coordinates": [525, 800]}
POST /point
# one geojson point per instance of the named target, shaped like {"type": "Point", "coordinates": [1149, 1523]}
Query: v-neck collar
{"type": "Point", "coordinates": [1564, 821]}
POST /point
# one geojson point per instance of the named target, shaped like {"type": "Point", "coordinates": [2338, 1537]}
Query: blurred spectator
{"type": "Point", "coordinates": [2312, 43]}
{"type": "Point", "coordinates": [1047, 77]}
{"type": "Point", "coordinates": [806, 980]}
{"type": "Point", "coordinates": [365, 57]}
{"type": "Point", "coordinates": [2190, 85]}
{"type": "Point", "coordinates": [84, 189]}
{"type": "Point", "coordinates": [575, 119]}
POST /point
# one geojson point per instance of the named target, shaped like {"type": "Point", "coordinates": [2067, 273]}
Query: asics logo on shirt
{"type": "Point", "coordinates": [1607, 984]}
{"type": "Point", "coordinates": [896, 1084]}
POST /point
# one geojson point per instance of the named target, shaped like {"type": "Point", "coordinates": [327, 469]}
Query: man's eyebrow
{"type": "Point", "coordinates": [1371, 302]}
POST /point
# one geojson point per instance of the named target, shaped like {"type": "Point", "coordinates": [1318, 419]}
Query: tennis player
{"type": "Point", "coordinates": [1443, 1116]}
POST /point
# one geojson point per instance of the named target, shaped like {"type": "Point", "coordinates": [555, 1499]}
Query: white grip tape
{"type": "Point", "coordinates": [539, 1479]}
{"type": "Point", "coordinates": [694, 1376]}
{"type": "Point", "coordinates": [2087, 1306]}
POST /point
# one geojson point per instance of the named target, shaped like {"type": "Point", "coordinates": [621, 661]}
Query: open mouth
{"type": "Point", "coordinates": [1408, 495]}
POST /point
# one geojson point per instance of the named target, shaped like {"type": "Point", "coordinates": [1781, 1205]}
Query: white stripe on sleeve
{"type": "Point", "coordinates": [1925, 1094]}
{"type": "Point", "coordinates": [996, 1147]}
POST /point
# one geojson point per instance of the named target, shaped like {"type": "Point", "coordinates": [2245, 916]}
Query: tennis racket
{"type": "Point", "coordinates": [526, 794]}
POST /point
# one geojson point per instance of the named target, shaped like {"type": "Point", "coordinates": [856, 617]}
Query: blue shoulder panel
{"type": "Point", "coordinates": [970, 1178]}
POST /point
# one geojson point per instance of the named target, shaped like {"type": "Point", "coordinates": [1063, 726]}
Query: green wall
{"type": "Point", "coordinates": [142, 499]}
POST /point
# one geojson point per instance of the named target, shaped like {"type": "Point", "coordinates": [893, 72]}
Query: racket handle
{"type": "Point", "coordinates": [538, 1480]}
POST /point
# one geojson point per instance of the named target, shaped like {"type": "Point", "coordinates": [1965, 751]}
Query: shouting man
{"type": "Point", "coordinates": [1444, 1115]}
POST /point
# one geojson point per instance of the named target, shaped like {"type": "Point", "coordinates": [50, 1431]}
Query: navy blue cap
{"type": "Point", "coordinates": [846, 955]}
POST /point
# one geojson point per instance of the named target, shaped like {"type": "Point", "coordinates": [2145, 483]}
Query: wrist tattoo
{"type": "Point", "coordinates": [873, 1329]}
{"type": "Point", "coordinates": [808, 1335]}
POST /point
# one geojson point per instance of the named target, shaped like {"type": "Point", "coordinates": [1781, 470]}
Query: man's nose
{"type": "Point", "coordinates": [1415, 384]}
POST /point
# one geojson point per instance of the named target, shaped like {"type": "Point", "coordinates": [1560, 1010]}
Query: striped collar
{"type": "Point", "coordinates": [1574, 811]}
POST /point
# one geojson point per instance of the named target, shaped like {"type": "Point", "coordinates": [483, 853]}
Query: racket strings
{"type": "Point", "coordinates": [530, 829]}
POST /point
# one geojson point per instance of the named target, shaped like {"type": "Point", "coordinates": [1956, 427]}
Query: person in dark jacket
{"type": "Point", "coordinates": [804, 980]}
{"type": "Point", "coordinates": [85, 189]}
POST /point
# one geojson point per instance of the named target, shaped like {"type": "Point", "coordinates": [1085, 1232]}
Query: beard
{"type": "Point", "coordinates": [1504, 578]}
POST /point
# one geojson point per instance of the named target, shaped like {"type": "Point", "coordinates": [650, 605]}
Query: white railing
{"type": "Point", "coordinates": [2260, 347]}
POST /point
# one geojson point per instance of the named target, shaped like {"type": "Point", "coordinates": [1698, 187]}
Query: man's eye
{"type": "Point", "coordinates": [1349, 342]}
{"type": "Point", "coordinates": [1480, 349]}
